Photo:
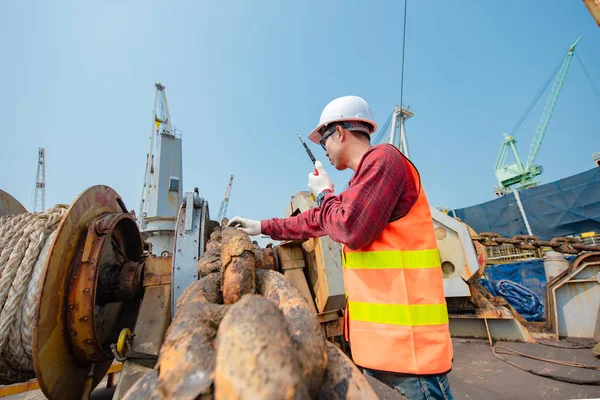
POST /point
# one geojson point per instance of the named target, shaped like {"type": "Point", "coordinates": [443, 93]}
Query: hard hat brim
{"type": "Point", "coordinates": [315, 135]}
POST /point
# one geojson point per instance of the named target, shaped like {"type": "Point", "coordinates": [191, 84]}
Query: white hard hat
{"type": "Point", "coordinates": [347, 108]}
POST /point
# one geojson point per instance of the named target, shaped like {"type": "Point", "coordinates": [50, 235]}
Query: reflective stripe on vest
{"type": "Point", "coordinates": [393, 259]}
{"type": "Point", "coordinates": [399, 314]}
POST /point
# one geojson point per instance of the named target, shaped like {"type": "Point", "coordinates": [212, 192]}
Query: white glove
{"type": "Point", "coordinates": [320, 182]}
{"type": "Point", "coordinates": [250, 226]}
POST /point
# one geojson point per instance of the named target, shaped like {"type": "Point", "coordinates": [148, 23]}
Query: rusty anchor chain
{"type": "Point", "coordinates": [245, 331]}
{"type": "Point", "coordinates": [561, 244]}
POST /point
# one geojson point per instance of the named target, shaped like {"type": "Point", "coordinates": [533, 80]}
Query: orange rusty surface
{"type": "Point", "coordinates": [19, 388]}
{"type": "Point", "coordinates": [481, 254]}
{"type": "Point", "coordinates": [187, 355]}
{"type": "Point", "coordinates": [593, 7]}
{"type": "Point", "coordinates": [33, 383]}
{"type": "Point", "coordinates": [157, 280]}
{"type": "Point", "coordinates": [9, 205]}
{"type": "Point", "coordinates": [157, 270]}
{"type": "Point", "coordinates": [82, 321]}
{"type": "Point", "coordinates": [81, 300]}
{"type": "Point", "coordinates": [115, 367]}
{"type": "Point", "coordinates": [59, 374]}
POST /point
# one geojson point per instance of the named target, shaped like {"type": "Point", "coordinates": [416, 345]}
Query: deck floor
{"type": "Point", "coordinates": [477, 374]}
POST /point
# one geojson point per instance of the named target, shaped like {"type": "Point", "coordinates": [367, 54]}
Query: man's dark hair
{"type": "Point", "coordinates": [358, 134]}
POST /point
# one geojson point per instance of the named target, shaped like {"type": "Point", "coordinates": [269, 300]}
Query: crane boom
{"type": "Point", "coordinates": [225, 203]}
{"type": "Point", "coordinates": [522, 174]}
{"type": "Point", "coordinates": [540, 131]}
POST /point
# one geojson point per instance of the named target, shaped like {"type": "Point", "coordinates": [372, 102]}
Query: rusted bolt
{"type": "Point", "coordinates": [101, 227]}
{"type": "Point", "coordinates": [73, 333]}
{"type": "Point", "coordinates": [86, 290]}
{"type": "Point", "coordinates": [87, 341]}
{"type": "Point", "coordinates": [71, 306]}
{"type": "Point", "coordinates": [84, 319]}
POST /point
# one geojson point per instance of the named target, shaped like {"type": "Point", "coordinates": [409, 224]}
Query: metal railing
{"type": "Point", "coordinates": [507, 253]}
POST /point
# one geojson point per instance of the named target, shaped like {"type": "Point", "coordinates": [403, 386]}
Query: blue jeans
{"type": "Point", "coordinates": [425, 387]}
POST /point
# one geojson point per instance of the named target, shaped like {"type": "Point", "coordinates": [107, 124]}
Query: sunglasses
{"type": "Point", "coordinates": [324, 139]}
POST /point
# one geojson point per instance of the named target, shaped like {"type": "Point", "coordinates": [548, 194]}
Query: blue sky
{"type": "Point", "coordinates": [243, 77]}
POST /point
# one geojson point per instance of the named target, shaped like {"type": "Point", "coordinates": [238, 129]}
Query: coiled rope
{"type": "Point", "coordinates": [24, 243]}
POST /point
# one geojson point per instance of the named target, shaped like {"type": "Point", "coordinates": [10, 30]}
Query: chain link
{"type": "Point", "coordinates": [561, 244]}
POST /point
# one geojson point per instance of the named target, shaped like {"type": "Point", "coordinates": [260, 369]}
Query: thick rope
{"type": "Point", "coordinates": [497, 350]}
{"type": "Point", "coordinates": [24, 243]}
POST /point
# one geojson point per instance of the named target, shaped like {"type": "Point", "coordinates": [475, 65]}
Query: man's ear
{"type": "Point", "coordinates": [341, 132]}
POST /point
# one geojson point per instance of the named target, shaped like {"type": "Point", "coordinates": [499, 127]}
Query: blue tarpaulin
{"type": "Point", "coordinates": [565, 207]}
{"type": "Point", "coordinates": [527, 303]}
{"type": "Point", "coordinates": [488, 285]}
{"type": "Point", "coordinates": [523, 285]}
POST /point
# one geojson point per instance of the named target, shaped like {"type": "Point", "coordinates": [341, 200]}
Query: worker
{"type": "Point", "coordinates": [396, 318]}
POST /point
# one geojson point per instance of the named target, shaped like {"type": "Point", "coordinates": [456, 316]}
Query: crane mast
{"type": "Point", "coordinates": [162, 191]}
{"type": "Point", "coordinates": [223, 210]}
{"type": "Point", "coordinates": [39, 202]}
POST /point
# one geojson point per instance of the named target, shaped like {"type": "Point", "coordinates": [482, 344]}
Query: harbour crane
{"type": "Point", "coordinates": [225, 203]}
{"type": "Point", "coordinates": [518, 174]}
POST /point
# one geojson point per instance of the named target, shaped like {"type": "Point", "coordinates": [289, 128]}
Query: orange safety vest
{"type": "Point", "coordinates": [396, 316]}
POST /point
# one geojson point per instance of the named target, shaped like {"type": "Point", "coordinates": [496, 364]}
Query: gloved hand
{"type": "Point", "coordinates": [250, 226]}
{"type": "Point", "coordinates": [318, 183]}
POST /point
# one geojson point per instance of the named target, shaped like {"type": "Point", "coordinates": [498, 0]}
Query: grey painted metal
{"type": "Point", "coordinates": [522, 210]}
{"type": "Point", "coordinates": [499, 329]}
{"type": "Point", "coordinates": [393, 137]}
{"type": "Point", "coordinates": [576, 301]}
{"type": "Point", "coordinates": [149, 164]}
{"type": "Point", "coordinates": [403, 139]}
{"type": "Point", "coordinates": [456, 247]}
{"type": "Point", "coordinates": [189, 208]}
{"type": "Point", "coordinates": [39, 202]}
{"type": "Point", "coordinates": [160, 239]}
{"type": "Point", "coordinates": [190, 236]}
{"type": "Point", "coordinates": [163, 183]}
{"type": "Point", "coordinates": [399, 138]}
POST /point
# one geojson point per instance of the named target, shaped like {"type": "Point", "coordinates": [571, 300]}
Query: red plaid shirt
{"type": "Point", "coordinates": [380, 191]}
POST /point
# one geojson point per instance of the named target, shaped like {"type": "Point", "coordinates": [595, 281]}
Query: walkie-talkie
{"type": "Point", "coordinates": [310, 154]}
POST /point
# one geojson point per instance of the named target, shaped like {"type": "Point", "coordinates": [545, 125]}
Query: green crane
{"type": "Point", "coordinates": [522, 175]}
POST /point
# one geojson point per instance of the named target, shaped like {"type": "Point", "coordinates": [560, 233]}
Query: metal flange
{"type": "Point", "coordinates": [9, 205]}
{"type": "Point", "coordinates": [62, 362]}
{"type": "Point", "coordinates": [107, 270]}
{"type": "Point", "coordinates": [192, 230]}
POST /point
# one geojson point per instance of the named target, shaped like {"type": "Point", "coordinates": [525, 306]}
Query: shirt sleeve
{"type": "Point", "coordinates": [357, 216]}
{"type": "Point", "coordinates": [305, 225]}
